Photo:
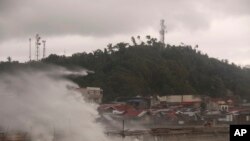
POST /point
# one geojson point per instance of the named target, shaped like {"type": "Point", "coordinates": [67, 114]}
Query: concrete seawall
{"type": "Point", "coordinates": [174, 134]}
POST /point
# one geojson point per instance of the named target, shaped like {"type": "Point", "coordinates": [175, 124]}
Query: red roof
{"type": "Point", "coordinates": [238, 109]}
{"type": "Point", "coordinates": [132, 112]}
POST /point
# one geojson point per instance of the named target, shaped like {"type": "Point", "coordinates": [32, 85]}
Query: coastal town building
{"type": "Point", "coordinates": [92, 94]}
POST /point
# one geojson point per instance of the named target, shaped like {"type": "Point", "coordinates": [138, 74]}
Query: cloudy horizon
{"type": "Point", "coordinates": [220, 28]}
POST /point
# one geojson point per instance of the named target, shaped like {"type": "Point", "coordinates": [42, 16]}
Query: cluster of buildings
{"type": "Point", "coordinates": [171, 109]}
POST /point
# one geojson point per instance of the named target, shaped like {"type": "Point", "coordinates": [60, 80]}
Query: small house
{"type": "Point", "coordinates": [92, 94]}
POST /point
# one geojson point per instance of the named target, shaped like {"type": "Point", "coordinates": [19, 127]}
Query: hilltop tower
{"type": "Point", "coordinates": [38, 38]}
{"type": "Point", "coordinates": [162, 31]}
{"type": "Point", "coordinates": [44, 48]}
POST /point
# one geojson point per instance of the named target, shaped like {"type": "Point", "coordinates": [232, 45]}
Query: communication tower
{"type": "Point", "coordinates": [38, 38]}
{"type": "Point", "coordinates": [162, 31]}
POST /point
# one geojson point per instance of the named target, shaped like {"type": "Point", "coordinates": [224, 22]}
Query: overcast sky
{"type": "Point", "coordinates": [221, 28]}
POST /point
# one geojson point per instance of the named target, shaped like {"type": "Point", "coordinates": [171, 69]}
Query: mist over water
{"type": "Point", "coordinates": [40, 104]}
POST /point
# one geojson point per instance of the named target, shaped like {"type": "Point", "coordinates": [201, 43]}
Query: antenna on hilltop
{"type": "Point", "coordinates": [162, 31]}
{"type": "Point", "coordinates": [44, 48]}
{"type": "Point", "coordinates": [37, 46]}
{"type": "Point", "coordinates": [30, 49]}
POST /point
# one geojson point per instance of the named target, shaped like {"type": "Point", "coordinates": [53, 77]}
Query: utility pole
{"type": "Point", "coordinates": [162, 31]}
{"type": "Point", "coordinates": [123, 129]}
{"type": "Point", "coordinates": [30, 49]}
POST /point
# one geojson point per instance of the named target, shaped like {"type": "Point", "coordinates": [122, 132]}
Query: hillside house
{"type": "Point", "coordinates": [193, 100]}
{"type": "Point", "coordinates": [92, 94]}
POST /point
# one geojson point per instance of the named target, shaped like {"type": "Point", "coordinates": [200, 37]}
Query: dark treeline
{"type": "Point", "coordinates": [150, 68]}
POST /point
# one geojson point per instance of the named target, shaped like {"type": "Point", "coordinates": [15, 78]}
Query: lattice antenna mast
{"type": "Point", "coordinates": [38, 38]}
{"type": "Point", "coordinates": [162, 31]}
{"type": "Point", "coordinates": [44, 48]}
{"type": "Point", "coordinates": [30, 49]}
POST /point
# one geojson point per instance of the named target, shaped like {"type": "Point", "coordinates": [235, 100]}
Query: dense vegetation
{"type": "Point", "coordinates": [150, 68]}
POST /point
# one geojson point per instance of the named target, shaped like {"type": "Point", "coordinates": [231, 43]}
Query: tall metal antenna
{"type": "Point", "coordinates": [37, 46]}
{"type": "Point", "coordinates": [44, 48]}
{"type": "Point", "coordinates": [30, 49]}
{"type": "Point", "coordinates": [162, 31]}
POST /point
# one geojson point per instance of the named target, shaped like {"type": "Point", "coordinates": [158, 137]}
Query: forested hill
{"type": "Point", "coordinates": [149, 68]}
{"type": "Point", "coordinates": [153, 69]}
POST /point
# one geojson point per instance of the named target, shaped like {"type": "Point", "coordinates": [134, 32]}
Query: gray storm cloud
{"type": "Point", "coordinates": [97, 18]}
{"type": "Point", "coordinates": [85, 25]}
{"type": "Point", "coordinates": [109, 17]}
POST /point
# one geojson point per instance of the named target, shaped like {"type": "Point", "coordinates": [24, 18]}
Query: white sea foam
{"type": "Point", "coordinates": [41, 105]}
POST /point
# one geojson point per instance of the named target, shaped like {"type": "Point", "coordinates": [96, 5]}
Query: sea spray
{"type": "Point", "coordinates": [41, 104]}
